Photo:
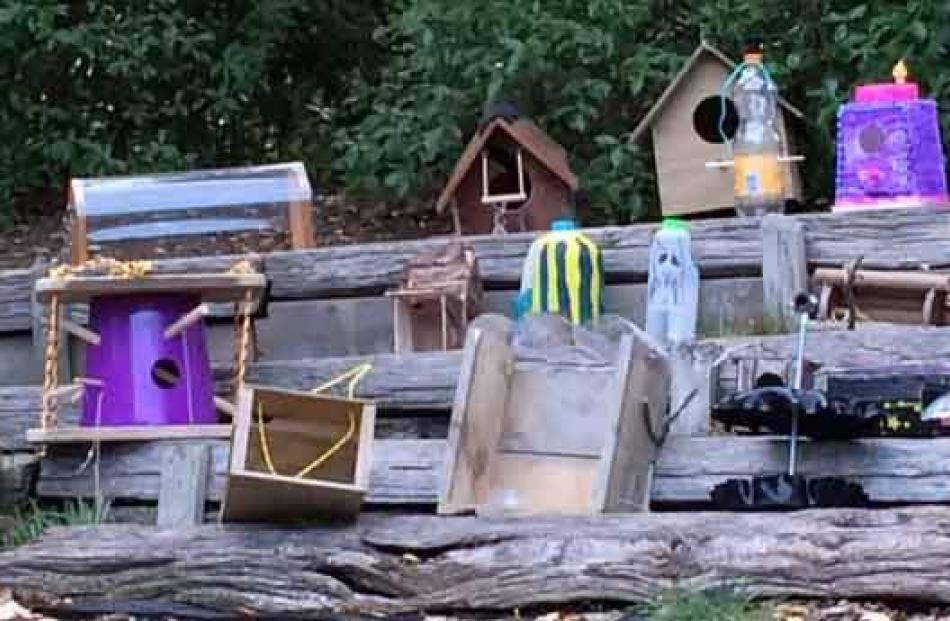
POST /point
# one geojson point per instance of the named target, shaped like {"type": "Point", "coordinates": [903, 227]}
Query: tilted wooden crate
{"type": "Point", "coordinates": [299, 427]}
{"type": "Point", "coordinates": [530, 435]}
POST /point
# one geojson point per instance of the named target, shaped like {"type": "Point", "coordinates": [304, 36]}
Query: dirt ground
{"type": "Point", "coordinates": [40, 231]}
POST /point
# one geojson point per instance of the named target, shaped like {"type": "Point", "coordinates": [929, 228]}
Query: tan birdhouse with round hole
{"type": "Point", "coordinates": [511, 177]}
{"type": "Point", "coordinates": [687, 125]}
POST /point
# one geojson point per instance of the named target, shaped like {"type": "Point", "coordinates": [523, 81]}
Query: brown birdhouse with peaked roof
{"type": "Point", "coordinates": [511, 177]}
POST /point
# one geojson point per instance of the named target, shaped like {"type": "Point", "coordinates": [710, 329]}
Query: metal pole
{"type": "Point", "coordinates": [799, 379]}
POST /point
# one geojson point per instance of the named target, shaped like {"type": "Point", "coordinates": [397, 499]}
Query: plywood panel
{"type": "Point", "coordinates": [558, 411]}
{"type": "Point", "coordinates": [541, 484]}
{"type": "Point", "coordinates": [254, 497]}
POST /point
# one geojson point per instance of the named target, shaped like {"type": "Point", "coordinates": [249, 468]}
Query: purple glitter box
{"type": "Point", "coordinates": [889, 156]}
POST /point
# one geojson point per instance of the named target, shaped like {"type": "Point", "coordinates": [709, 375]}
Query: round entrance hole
{"type": "Point", "coordinates": [165, 373]}
{"type": "Point", "coordinates": [871, 139]}
{"type": "Point", "coordinates": [707, 115]}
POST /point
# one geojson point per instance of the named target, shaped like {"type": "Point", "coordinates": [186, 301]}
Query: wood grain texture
{"type": "Point", "coordinates": [16, 300]}
{"type": "Point", "coordinates": [407, 472]}
{"type": "Point", "coordinates": [729, 247]}
{"type": "Point", "coordinates": [784, 268]}
{"type": "Point", "coordinates": [481, 565]}
{"type": "Point", "coordinates": [183, 485]}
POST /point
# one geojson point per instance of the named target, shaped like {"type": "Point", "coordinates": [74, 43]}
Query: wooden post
{"type": "Point", "coordinates": [689, 372]}
{"type": "Point", "coordinates": [300, 217]}
{"type": "Point", "coordinates": [183, 485]}
{"type": "Point", "coordinates": [79, 247]}
{"type": "Point", "coordinates": [784, 268]}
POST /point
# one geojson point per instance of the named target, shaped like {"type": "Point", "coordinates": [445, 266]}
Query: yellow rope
{"type": "Point", "coordinates": [243, 327]}
{"type": "Point", "coordinates": [51, 368]}
{"type": "Point", "coordinates": [354, 375]}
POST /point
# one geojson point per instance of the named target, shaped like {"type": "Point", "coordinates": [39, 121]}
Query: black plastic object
{"type": "Point", "coordinates": [772, 408]}
{"type": "Point", "coordinates": [784, 492]}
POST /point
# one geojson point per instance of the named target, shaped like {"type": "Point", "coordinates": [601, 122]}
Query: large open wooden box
{"type": "Point", "coordinates": [299, 427]}
{"type": "Point", "coordinates": [552, 435]}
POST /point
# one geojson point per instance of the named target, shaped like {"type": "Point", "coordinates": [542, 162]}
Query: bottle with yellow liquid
{"type": "Point", "coordinates": [759, 178]}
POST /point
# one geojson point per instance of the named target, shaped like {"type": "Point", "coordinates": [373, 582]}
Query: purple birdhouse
{"type": "Point", "coordinates": [147, 379]}
{"type": "Point", "coordinates": [889, 152]}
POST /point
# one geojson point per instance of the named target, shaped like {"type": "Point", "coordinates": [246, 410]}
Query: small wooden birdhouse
{"type": "Point", "coordinates": [687, 125]}
{"type": "Point", "coordinates": [511, 177]}
{"type": "Point", "coordinates": [439, 293]}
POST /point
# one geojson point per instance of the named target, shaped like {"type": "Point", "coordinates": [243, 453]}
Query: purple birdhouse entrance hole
{"type": "Point", "coordinates": [146, 378]}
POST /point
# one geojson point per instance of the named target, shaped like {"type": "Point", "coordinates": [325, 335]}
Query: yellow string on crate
{"type": "Point", "coordinates": [354, 375]}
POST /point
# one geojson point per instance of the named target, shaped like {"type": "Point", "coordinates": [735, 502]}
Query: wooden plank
{"type": "Point", "coordinates": [130, 433]}
{"type": "Point", "coordinates": [730, 247]}
{"type": "Point", "coordinates": [725, 246]}
{"type": "Point", "coordinates": [481, 568]}
{"type": "Point", "coordinates": [210, 287]}
{"type": "Point", "coordinates": [183, 484]}
{"type": "Point", "coordinates": [16, 299]}
{"type": "Point", "coordinates": [476, 424]}
{"type": "Point", "coordinates": [641, 394]}
{"type": "Point", "coordinates": [407, 472]}
{"type": "Point", "coordinates": [784, 268]}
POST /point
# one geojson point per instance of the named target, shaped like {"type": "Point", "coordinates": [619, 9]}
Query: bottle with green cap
{"type": "Point", "coordinates": [672, 285]}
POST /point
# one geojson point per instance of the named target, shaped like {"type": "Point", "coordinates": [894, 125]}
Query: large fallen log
{"type": "Point", "coordinates": [427, 564]}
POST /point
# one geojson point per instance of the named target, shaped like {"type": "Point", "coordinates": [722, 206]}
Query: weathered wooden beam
{"type": "Point", "coordinates": [183, 485]}
{"type": "Point", "coordinates": [728, 247]}
{"type": "Point", "coordinates": [427, 380]}
{"type": "Point", "coordinates": [389, 565]}
{"type": "Point", "coordinates": [16, 300]}
{"type": "Point", "coordinates": [784, 268]}
{"type": "Point", "coordinates": [406, 472]}
{"type": "Point", "coordinates": [720, 247]}
{"type": "Point", "coordinates": [403, 472]}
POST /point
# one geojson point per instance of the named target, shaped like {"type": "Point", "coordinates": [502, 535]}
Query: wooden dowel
{"type": "Point", "coordinates": [80, 332]}
{"type": "Point", "coordinates": [913, 281]}
{"type": "Point", "coordinates": [225, 407]}
{"type": "Point", "coordinates": [186, 321]}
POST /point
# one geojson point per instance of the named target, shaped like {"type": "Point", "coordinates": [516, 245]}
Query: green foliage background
{"type": "Point", "coordinates": [379, 96]}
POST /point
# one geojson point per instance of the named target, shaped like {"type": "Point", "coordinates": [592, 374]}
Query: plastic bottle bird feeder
{"type": "Point", "coordinates": [758, 153]}
{"type": "Point", "coordinates": [890, 153]}
{"type": "Point", "coordinates": [147, 372]}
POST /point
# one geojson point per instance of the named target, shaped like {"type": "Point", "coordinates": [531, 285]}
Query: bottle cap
{"type": "Point", "coordinates": [563, 224]}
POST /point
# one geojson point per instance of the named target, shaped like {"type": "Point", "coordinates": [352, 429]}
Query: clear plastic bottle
{"type": "Point", "coordinates": [673, 285]}
{"type": "Point", "coordinates": [759, 181]}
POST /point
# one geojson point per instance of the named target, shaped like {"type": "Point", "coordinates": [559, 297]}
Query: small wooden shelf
{"type": "Point", "coordinates": [70, 435]}
{"type": "Point", "coordinates": [210, 287]}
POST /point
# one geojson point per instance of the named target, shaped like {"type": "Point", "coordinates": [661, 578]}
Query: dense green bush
{"type": "Point", "coordinates": [116, 86]}
{"type": "Point", "coordinates": [383, 94]}
{"type": "Point", "coordinates": [588, 70]}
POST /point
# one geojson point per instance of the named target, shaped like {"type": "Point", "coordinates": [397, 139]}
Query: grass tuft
{"type": "Point", "coordinates": [682, 606]}
{"type": "Point", "coordinates": [29, 521]}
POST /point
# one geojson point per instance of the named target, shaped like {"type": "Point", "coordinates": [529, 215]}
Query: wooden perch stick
{"type": "Point", "coordinates": [80, 332]}
{"type": "Point", "coordinates": [186, 321]}
{"type": "Point", "coordinates": [225, 407]}
{"type": "Point", "coordinates": [390, 565]}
